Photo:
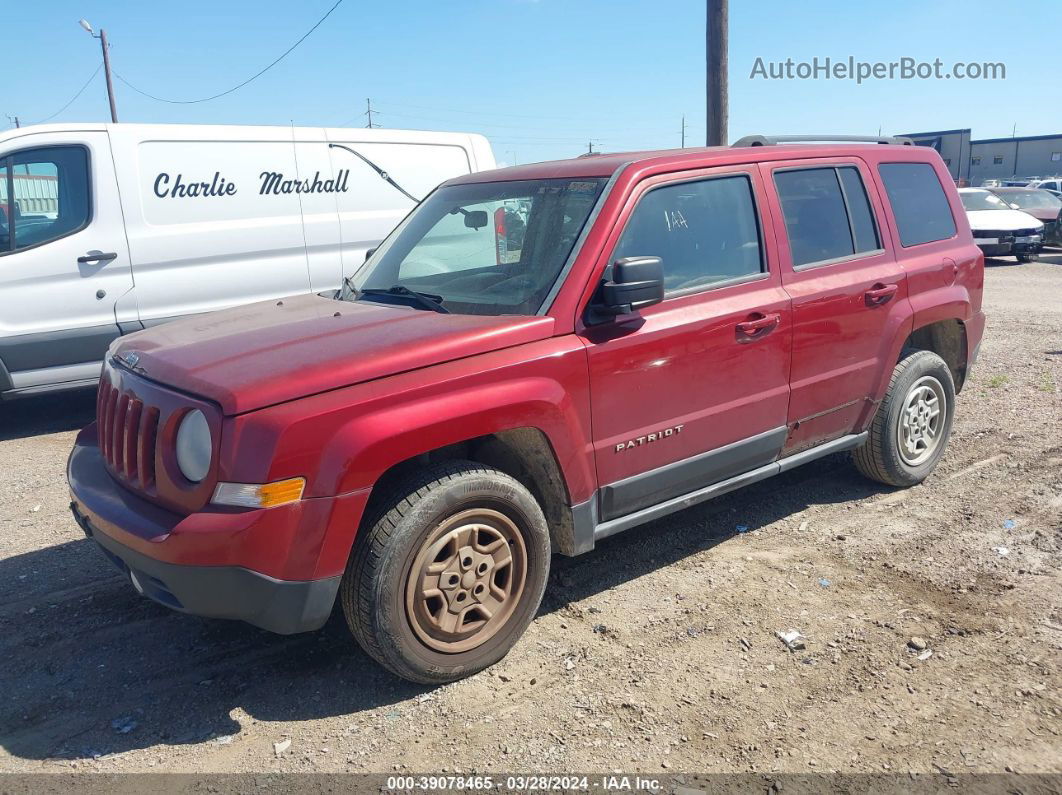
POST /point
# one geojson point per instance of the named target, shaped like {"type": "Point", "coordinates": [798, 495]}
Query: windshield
{"type": "Point", "coordinates": [491, 248]}
{"type": "Point", "coordinates": [982, 200]}
{"type": "Point", "coordinates": [1033, 200]}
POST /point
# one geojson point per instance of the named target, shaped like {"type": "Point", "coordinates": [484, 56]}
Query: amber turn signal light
{"type": "Point", "coordinates": [259, 495]}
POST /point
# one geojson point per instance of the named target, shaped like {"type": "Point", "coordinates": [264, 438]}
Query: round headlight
{"type": "Point", "coordinates": [194, 446]}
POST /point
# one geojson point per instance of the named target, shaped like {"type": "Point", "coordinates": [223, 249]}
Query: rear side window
{"type": "Point", "coordinates": [705, 232]}
{"type": "Point", "coordinates": [45, 196]}
{"type": "Point", "coordinates": [827, 214]}
{"type": "Point", "coordinates": [918, 201]}
{"type": "Point", "coordinates": [864, 230]}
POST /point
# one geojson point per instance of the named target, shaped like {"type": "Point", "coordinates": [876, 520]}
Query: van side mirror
{"type": "Point", "coordinates": [369, 252]}
{"type": "Point", "coordinates": [637, 282]}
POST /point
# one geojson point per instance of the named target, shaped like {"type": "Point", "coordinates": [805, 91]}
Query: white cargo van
{"type": "Point", "coordinates": [109, 228]}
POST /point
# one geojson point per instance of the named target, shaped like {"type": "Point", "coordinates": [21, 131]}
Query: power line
{"type": "Point", "coordinates": [80, 91]}
{"type": "Point", "coordinates": [245, 82]}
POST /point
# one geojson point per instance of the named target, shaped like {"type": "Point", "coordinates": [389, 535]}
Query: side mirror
{"type": "Point", "coordinates": [637, 282]}
{"type": "Point", "coordinates": [369, 252]}
{"type": "Point", "coordinates": [476, 219]}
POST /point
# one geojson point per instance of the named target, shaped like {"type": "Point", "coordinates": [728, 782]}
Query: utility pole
{"type": "Point", "coordinates": [368, 112]}
{"type": "Point", "coordinates": [683, 131]}
{"type": "Point", "coordinates": [716, 61]}
{"type": "Point", "coordinates": [590, 147]}
{"type": "Point", "coordinates": [106, 65]}
{"type": "Point", "coordinates": [14, 120]}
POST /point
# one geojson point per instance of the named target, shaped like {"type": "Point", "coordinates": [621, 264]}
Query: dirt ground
{"type": "Point", "coordinates": [656, 652]}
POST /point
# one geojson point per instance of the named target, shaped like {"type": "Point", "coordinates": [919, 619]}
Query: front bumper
{"type": "Point", "coordinates": [232, 592]}
{"type": "Point", "coordinates": [276, 568]}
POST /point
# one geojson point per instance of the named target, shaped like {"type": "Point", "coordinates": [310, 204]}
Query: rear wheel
{"type": "Point", "coordinates": [1026, 257]}
{"type": "Point", "coordinates": [447, 579]}
{"type": "Point", "coordinates": [911, 428]}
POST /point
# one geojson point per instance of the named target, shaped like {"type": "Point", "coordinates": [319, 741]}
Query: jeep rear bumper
{"type": "Point", "coordinates": [276, 568]}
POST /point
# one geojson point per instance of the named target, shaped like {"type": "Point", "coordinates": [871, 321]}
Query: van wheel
{"type": "Point", "coordinates": [451, 573]}
{"type": "Point", "coordinates": [913, 423]}
{"type": "Point", "coordinates": [1026, 257]}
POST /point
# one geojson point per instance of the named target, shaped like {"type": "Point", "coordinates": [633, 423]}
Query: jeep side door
{"type": "Point", "coordinates": [694, 390]}
{"type": "Point", "coordinates": [849, 293]}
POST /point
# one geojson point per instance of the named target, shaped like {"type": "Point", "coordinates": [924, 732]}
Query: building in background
{"type": "Point", "coordinates": [994, 158]}
{"type": "Point", "coordinates": [953, 146]}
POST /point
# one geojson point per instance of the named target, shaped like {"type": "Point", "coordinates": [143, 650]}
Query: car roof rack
{"type": "Point", "coordinates": [771, 140]}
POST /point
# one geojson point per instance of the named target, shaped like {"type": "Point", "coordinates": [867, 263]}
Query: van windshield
{"type": "Point", "coordinates": [490, 248]}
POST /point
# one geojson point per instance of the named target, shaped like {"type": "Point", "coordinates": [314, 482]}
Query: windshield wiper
{"type": "Point", "coordinates": [387, 177]}
{"type": "Point", "coordinates": [426, 300]}
{"type": "Point", "coordinates": [383, 174]}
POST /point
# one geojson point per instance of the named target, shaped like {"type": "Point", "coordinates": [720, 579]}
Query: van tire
{"type": "Point", "coordinates": [920, 380]}
{"type": "Point", "coordinates": [447, 515]}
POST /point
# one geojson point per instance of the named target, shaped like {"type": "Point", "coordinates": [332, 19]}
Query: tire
{"type": "Point", "coordinates": [1026, 257]}
{"type": "Point", "coordinates": [884, 456]}
{"type": "Point", "coordinates": [402, 590]}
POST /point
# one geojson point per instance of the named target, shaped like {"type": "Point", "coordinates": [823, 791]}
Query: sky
{"type": "Point", "coordinates": [540, 78]}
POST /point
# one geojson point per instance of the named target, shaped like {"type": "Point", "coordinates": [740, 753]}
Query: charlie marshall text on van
{"type": "Point", "coordinates": [272, 182]}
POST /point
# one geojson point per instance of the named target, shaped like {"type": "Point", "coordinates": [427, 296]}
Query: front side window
{"type": "Point", "coordinates": [918, 201]}
{"type": "Point", "coordinates": [489, 248]}
{"type": "Point", "coordinates": [827, 214]}
{"type": "Point", "coordinates": [45, 196]}
{"type": "Point", "coordinates": [705, 232]}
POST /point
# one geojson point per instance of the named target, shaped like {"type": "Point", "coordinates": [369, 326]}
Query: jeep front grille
{"type": "Point", "coordinates": [128, 430]}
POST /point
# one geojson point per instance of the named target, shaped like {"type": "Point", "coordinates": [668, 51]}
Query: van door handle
{"type": "Point", "coordinates": [757, 327]}
{"type": "Point", "coordinates": [97, 258]}
{"type": "Point", "coordinates": [880, 294]}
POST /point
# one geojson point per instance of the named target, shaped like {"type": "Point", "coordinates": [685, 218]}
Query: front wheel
{"type": "Point", "coordinates": [448, 578]}
{"type": "Point", "coordinates": [911, 428]}
{"type": "Point", "coordinates": [1026, 257]}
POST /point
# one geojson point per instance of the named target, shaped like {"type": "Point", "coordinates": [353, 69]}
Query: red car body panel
{"type": "Point", "coordinates": [270, 352]}
{"type": "Point", "coordinates": [339, 393]}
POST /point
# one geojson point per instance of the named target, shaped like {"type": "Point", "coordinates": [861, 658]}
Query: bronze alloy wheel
{"type": "Point", "coordinates": [466, 579]}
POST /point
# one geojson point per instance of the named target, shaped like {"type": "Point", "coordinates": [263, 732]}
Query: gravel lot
{"type": "Point", "coordinates": [657, 652]}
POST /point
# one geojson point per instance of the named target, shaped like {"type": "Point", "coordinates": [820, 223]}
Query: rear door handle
{"type": "Point", "coordinates": [757, 327]}
{"type": "Point", "coordinates": [880, 294]}
{"type": "Point", "coordinates": [85, 260]}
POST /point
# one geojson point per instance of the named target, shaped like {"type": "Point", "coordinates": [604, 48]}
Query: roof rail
{"type": "Point", "coordinates": [771, 140]}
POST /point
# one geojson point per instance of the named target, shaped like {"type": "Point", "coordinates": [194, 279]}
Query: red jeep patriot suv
{"type": "Point", "coordinates": [536, 358]}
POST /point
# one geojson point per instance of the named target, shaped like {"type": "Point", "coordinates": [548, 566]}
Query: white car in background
{"type": "Point", "coordinates": [1053, 184]}
{"type": "Point", "coordinates": [998, 229]}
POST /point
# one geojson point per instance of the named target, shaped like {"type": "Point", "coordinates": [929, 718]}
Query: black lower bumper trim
{"type": "Point", "coordinates": [281, 606]}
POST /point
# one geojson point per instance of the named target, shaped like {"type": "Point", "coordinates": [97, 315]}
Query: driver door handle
{"type": "Point", "coordinates": [880, 294]}
{"type": "Point", "coordinates": [757, 327]}
{"type": "Point", "coordinates": [96, 258]}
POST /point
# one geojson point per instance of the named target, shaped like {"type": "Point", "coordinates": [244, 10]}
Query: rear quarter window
{"type": "Point", "coordinates": [921, 208]}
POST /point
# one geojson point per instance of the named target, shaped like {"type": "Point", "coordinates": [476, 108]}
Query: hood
{"type": "Point", "coordinates": [1044, 214]}
{"type": "Point", "coordinates": [1003, 220]}
{"type": "Point", "coordinates": [270, 352]}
